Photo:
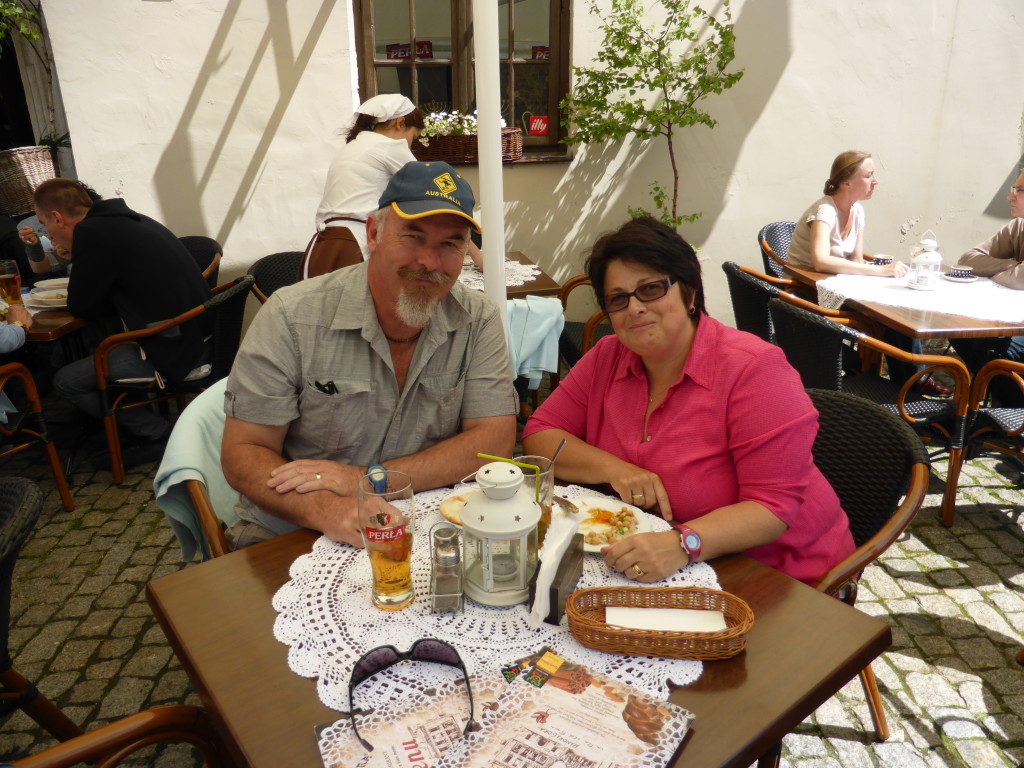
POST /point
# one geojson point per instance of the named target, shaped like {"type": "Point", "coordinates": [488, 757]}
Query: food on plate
{"type": "Point", "coordinates": [607, 526]}
{"type": "Point", "coordinates": [451, 507]}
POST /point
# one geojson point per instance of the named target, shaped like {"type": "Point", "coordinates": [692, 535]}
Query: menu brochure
{"type": "Point", "coordinates": [553, 713]}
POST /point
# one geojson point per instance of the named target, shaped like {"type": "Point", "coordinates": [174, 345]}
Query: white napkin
{"type": "Point", "coordinates": [556, 542]}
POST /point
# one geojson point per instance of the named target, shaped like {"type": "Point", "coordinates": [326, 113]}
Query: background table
{"type": "Point", "coordinates": [803, 647]}
{"type": "Point", "coordinates": [915, 323]}
{"type": "Point", "coordinates": [51, 325]}
{"type": "Point", "coordinates": [541, 285]}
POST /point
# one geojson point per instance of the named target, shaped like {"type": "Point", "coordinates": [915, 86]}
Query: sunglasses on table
{"type": "Point", "coordinates": [653, 291]}
{"type": "Point", "coordinates": [385, 656]}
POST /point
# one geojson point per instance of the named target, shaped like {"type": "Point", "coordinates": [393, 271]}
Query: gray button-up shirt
{"type": "Point", "coordinates": [315, 358]}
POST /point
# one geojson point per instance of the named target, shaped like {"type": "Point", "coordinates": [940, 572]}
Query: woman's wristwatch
{"type": "Point", "coordinates": [690, 541]}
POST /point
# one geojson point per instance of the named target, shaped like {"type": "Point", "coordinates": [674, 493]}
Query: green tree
{"type": "Point", "coordinates": [19, 17]}
{"type": "Point", "coordinates": [649, 79]}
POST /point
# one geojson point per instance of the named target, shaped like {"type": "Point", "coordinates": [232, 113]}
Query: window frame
{"type": "Point", "coordinates": [462, 71]}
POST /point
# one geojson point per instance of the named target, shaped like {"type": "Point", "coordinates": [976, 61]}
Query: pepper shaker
{"type": "Point", "coordinates": [446, 570]}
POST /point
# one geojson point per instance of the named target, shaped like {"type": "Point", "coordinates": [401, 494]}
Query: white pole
{"type": "Point", "coordinates": [491, 194]}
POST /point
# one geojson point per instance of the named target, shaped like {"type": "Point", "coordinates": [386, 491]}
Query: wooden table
{"type": "Point", "coordinates": [803, 648]}
{"type": "Point", "coordinates": [51, 325]}
{"type": "Point", "coordinates": [542, 285]}
{"type": "Point", "coordinates": [916, 323]}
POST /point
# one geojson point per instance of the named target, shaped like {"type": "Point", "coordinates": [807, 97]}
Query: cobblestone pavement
{"type": "Point", "coordinates": [82, 630]}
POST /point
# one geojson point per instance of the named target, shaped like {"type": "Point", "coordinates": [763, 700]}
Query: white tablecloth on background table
{"type": "Point", "coordinates": [982, 299]}
{"type": "Point", "coordinates": [515, 274]}
{"type": "Point", "coordinates": [326, 619]}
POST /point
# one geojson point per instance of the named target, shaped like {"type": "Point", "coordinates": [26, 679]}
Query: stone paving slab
{"type": "Point", "coordinates": [953, 693]}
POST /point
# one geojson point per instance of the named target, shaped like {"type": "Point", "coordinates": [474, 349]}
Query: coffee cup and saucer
{"type": "Point", "coordinates": [882, 261]}
{"type": "Point", "coordinates": [961, 274]}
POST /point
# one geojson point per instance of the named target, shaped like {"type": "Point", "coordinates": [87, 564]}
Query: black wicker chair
{"type": "Point", "coordinates": [577, 338]}
{"type": "Point", "coordinates": [814, 346]}
{"type": "Point", "coordinates": [273, 272]}
{"type": "Point", "coordinates": [207, 253]}
{"type": "Point", "coordinates": [774, 240]}
{"type": "Point", "coordinates": [879, 470]}
{"type": "Point", "coordinates": [20, 504]}
{"type": "Point", "coordinates": [226, 308]}
{"type": "Point", "coordinates": [750, 292]}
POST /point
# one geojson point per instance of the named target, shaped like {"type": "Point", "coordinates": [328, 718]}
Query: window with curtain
{"type": "Point", "coordinates": [424, 49]}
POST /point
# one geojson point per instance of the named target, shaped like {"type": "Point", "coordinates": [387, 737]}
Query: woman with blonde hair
{"type": "Point", "coordinates": [829, 237]}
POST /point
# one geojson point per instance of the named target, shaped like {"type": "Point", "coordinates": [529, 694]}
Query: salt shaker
{"type": "Point", "coordinates": [446, 571]}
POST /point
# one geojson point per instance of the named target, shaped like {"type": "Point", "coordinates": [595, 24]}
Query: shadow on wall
{"type": "Point", "coordinates": [997, 206]}
{"type": "Point", "coordinates": [592, 195]}
{"type": "Point", "coordinates": [179, 179]}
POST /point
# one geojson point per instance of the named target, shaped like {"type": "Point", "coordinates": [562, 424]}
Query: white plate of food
{"type": "Point", "coordinates": [47, 299]}
{"type": "Point", "coordinates": [605, 521]}
{"type": "Point", "coordinates": [53, 284]}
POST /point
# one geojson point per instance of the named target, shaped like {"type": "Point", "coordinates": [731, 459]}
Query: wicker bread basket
{"type": "Point", "coordinates": [585, 609]}
{"type": "Point", "coordinates": [463, 149]}
{"type": "Point", "coordinates": [22, 170]}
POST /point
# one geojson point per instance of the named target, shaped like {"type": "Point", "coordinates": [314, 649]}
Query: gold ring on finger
{"type": "Point", "coordinates": [637, 570]}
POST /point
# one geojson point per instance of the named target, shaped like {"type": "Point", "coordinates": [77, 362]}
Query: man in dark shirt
{"type": "Point", "coordinates": [128, 265]}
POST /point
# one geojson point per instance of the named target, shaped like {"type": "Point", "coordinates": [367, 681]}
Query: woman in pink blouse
{"type": "Point", "coordinates": [686, 417]}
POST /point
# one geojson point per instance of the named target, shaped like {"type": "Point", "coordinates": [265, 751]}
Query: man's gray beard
{"type": "Point", "coordinates": [415, 310]}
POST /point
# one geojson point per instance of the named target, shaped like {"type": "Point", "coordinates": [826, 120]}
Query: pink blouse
{"type": "Point", "coordinates": [736, 426]}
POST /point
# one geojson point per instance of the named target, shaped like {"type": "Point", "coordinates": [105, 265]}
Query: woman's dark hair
{"type": "Point", "coordinates": [414, 119]}
{"type": "Point", "coordinates": [648, 242]}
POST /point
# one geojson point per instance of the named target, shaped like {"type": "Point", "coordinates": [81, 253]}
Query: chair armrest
{"type": "Point", "coordinates": [207, 518]}
{"type": "Point", "coordinates": [989, 371]}
{"type": "Point", "coordinates": [102, 354]}
{"type": "Point", "coordinates": [590, 330]}
{"type": "Point", "coordinates": [571, 285]}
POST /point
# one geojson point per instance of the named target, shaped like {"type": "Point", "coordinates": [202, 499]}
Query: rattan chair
{"type": "Point", "coordinates": [207, 253]}
{"type": "Point", "coordinates": [750, 292]}
{"type": "Point", "coordinates": [814, 347]}
{"type": "Point", "coordinates": [111, 744]}
{"type": "Point", "coordinates": [20, 504]}
{"type": "Point", "coordinates": [274, 271]}
{"type": "Point", "coordinates": [225, 308]}
{"type": "Point", "coordinates": [774, 240]}
{"type": "Point", "coordinates": [25, 429]}
{"type": "Point", "coordinates": [577, 338]}
{"type": "Point", "coordinates": [991, 429]}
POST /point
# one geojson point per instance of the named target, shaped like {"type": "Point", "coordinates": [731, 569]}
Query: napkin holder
{"type": "Point", "coordinates": [567, 576]}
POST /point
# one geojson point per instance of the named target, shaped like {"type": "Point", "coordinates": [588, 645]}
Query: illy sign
{"type": "Point", "coordinates": [538, 125]}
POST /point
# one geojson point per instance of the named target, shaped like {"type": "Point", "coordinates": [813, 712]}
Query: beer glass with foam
{"type": "Point", "coordinates": [386, 521]}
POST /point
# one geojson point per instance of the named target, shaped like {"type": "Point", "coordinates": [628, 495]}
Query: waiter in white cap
{"type": "Point", "coordinates": [378, 144]}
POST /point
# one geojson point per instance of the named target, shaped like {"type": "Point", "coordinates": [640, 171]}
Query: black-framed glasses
{"type": "Point", "coordinates": [385, 656]}
{"type": "Point", "coordinates": [617, 302]}
{"type": "Point", "coordinates": [1016, 190]}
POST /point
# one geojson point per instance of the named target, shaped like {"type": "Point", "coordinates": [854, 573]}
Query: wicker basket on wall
{"type": "Point", "coordinates": [463, 149]}
{"type": "Point", "coordinates": [22, 170]}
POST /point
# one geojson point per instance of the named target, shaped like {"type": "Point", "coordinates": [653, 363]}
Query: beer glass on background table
{"type": "Point", "coordinates": [387, 520]}
{"type": "Point", "coordinates": [10, 281]}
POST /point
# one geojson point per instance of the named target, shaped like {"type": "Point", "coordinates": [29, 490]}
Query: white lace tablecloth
{"type": "Point", "coordinates": [515, 274]}
{"type": "Point", "coordinates": [326, 619]}
{"type": "Point", "coordinates": [981, 299]}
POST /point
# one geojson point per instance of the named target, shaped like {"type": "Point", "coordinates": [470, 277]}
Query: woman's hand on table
{"type": "Point", "coordinates": [896, 269]}
{"type": "Point", "coordinates": [654, 555]}
{"type": "Point", "coordinates": [306, 475]}
{"type": "Point", "coordinates": [640, 487]}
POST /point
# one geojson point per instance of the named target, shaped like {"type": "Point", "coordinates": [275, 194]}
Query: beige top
{"type": "Point", "coordinates": [1001, 257]}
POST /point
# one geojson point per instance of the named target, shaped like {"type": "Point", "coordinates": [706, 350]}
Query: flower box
{"type": "Point", "coordinates": [463, 148]}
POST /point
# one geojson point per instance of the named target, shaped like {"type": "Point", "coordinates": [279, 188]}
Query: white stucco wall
{"type": "Point", "coordinates": [219, 117]}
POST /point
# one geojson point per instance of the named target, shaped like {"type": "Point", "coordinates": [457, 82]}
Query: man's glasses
{"type": "Point", "coordinates": [1016, 190]}
{"type": "Point", "coordinates": [385, 656]}
{"type": "Point", "coordinates": [646, 292]}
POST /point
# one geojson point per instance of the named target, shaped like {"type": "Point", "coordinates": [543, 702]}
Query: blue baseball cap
{"type": "Point", "coordinates": [426, 189]}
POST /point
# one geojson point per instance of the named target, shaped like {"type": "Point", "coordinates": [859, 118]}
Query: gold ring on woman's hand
{"type": "Point", "coordinates": [637, 570]}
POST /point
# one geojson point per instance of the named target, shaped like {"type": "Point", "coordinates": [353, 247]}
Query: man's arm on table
{"type": "Point", "coordinates": [447, 462]}
{"type": "Point", "coordinates": [249, 452]}
{"type": "Point", "coordinates": [1000, 257]}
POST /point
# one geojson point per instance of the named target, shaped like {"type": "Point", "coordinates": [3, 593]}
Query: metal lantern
{"type": "Point", "coordinates": [925, 263]}
{"type": "Point", "coordinates": [499, 529]}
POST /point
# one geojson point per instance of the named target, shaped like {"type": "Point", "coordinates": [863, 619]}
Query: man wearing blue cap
{"type": "Point", "coordinates": [390, 361]}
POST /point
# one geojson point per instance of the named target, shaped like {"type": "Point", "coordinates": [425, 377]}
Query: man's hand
{"type": "Point", "coordinates": [343, 524]}
{"type": "Point", "coordinates": [305, 475]}
{"type": "Point", "coordinates": [28, 236]}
